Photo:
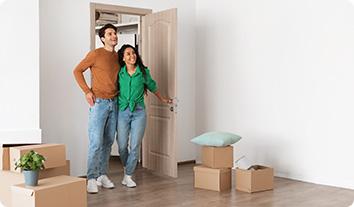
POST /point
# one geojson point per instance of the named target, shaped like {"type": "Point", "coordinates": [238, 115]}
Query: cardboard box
{"type": "Point", "coordinates": [5, 156]}
{"type": "Point", "coordinates": [253, 180]}
{"type": "Point", "coordinates": [54, 154]}
{"type": "Point", "coordinates": [52, 172]}
{"type": "Point", "coordinates": [54, 192]}
{"type": "Point", "coordinates": [7, 179]}
{"type": "Point", "coordinates": [212, 179]}
{"type": "Point", "coordinates": [217, 157]}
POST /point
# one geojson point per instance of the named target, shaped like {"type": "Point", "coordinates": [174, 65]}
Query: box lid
{"type": "Point", "coordinates": [28, 147]}
{"type": "Point", "coordinates": [50, 183]}
{"type": "Point", "coordinates": [201, 168]}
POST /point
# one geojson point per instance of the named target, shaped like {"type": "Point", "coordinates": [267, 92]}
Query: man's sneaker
{"type": "Point", "coordinates": [92, 186]}
{"type": "Point", "coordinates": [127, 181]}
{"type": "Point", "coordinates": [104, 181]}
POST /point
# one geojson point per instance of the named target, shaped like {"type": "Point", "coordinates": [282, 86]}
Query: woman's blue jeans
{"type": "Point", "coordinates": [133, 124]}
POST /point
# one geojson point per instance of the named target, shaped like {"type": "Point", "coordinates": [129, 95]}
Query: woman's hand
{"type": "Point", "coordinates": [163, 99]}
{"type": "Point", "coordinates": [167, 100]}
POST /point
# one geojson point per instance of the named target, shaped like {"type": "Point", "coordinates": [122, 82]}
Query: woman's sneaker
{"type": "Point", "coordinates": [104, 181]}
{"type": "Point", "coordinates": [92, 186]}
{"type": "Point", "coordinates": [128, 181]}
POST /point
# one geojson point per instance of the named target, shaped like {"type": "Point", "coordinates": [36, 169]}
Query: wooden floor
{"type": "Point", "coordinates": [158, 191]}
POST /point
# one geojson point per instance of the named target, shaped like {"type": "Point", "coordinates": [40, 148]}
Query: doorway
{"type": "Point", "coordinates": [128, 32]}
{"type": "Point", "coordinates": [155, 35]}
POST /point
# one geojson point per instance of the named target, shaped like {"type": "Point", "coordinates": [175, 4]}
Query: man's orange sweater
{"type": "Point", "coordinates": [104, 71]}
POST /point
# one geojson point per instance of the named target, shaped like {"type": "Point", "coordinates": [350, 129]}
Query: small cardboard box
{"type": "Point", "coordinates": [7, 179]}
{"type": "Point", "coordinates": [54, 154]}
{"type": "Point", "coordinates": [212, 179]}
{"type": "Point", "coordinates": [217, 157]}
{"type": "Point", "coordinates": [259, 178]}
{"type": "Point", "coordinates": [52, 172]}
{"type": "Point", "coordinates": [54, 192]}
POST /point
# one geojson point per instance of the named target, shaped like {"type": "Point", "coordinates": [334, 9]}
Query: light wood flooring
{"type": "Point", "coordinates": [155, 191]}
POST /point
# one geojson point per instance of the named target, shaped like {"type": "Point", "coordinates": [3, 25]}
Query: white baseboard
{"type": "Point", "coordinates": [20, 136]}
{"type": "Point", "coordinates": [335, 182]}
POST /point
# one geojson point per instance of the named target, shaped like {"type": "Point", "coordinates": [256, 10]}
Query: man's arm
{"type": "Point", "coordinates": [80, 79]}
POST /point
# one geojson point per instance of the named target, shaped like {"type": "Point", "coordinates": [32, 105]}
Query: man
{"type": "Point", "coordinates": [102, 99]}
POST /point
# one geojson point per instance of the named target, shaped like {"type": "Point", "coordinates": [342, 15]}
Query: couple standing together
{"type": "Point", "coordinates": [116, 99]}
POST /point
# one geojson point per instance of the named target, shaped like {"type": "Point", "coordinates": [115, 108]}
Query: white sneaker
{"type": "Point", "coordinates": [92, 186]}
{"type": "Point", "coordinates": [104, 181]}
{"type": "Point", "coordinates": [128, 181]}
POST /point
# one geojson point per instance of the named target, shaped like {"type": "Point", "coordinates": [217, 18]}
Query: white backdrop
{"type": "Point", "coordinates": [19, 69]}
{"type": "Point", "coordinates": [280, 74]}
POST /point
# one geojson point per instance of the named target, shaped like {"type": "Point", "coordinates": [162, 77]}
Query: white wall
{"type": "Point", "coordinates": [280, 74]}
{"type": "Point", "coordinates": [65, 40]}
{"type": "Point", "coordinates": [19, 69]}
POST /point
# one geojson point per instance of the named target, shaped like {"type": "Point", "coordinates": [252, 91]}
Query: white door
{"type": "Point", "coordinates": [159, 35]}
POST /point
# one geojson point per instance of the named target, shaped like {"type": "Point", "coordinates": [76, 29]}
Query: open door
{"type": "Point", "coordinates": [159, 36]}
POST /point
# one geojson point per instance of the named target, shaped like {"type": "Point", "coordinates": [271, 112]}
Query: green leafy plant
{"type": "Point", "coordinates": [30, 161]}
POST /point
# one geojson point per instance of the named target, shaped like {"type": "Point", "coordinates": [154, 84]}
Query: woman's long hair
{"type": "Point", "coordinates": [138, 62]}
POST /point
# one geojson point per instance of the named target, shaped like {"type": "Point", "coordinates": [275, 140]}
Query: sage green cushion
{"type": "Point", "coordinates": [216, 139]}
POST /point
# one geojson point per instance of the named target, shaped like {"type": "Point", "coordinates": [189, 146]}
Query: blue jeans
{"type": "Point", "coordinates": [102, 129]}
{"type": "Point", "coordinates": [133, 124]}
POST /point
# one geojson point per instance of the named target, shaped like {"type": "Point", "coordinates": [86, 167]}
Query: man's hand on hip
{"type": "Point", "coordinates": [90, 98]}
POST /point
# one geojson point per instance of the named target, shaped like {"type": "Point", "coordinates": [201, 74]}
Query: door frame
{"type": "Point", "coordinates": [113, 8]}
{"type": "Point", "coordinates": [124, 10]}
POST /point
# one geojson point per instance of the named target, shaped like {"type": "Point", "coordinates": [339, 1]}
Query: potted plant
{"type": "Point", "coordinates": [31, 163]}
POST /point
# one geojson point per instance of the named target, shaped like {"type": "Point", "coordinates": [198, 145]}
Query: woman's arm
{"type": "Point", "coordinates": [163, 99]}
{"type": "Point", "coordinates": [152, 86]}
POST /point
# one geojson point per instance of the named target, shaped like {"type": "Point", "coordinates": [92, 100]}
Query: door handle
{"type": "Point", "coordinates": [173, 106]}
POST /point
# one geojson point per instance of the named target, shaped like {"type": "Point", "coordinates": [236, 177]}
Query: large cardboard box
{"type": "Point", "coordinates": [217, 157]}
{"type": "Point", "coordinates": [54, 192]}
{"type": "Point", "coordinates": [212, 179]}
{"type": "Point", "coordinates": [258, 178]}
{"type": "Point", "coordinates": [7, 179]}
{"type": "Point", "coordinates": [52, 172]}
{"type": "Point", "coordinates": [54, 154]}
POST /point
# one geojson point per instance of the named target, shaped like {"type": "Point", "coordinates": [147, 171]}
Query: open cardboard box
{"type": "Point", "coordinates": [257, 178]}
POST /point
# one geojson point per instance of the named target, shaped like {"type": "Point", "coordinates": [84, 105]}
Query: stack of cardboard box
{"type": "Point", "coordinates": [52, 183]}
{"type": "Point", "coordinates": [215, 171]}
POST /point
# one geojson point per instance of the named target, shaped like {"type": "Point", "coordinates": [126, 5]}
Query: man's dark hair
{"type": "Point", "coordinates": [102, 31]}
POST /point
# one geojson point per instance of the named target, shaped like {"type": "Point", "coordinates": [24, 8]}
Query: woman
{"type": "Point", "coordinates": [134, 79]}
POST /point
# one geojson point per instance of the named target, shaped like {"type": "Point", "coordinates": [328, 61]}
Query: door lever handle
{"type": "Point", "coordinates": [173, 107]}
